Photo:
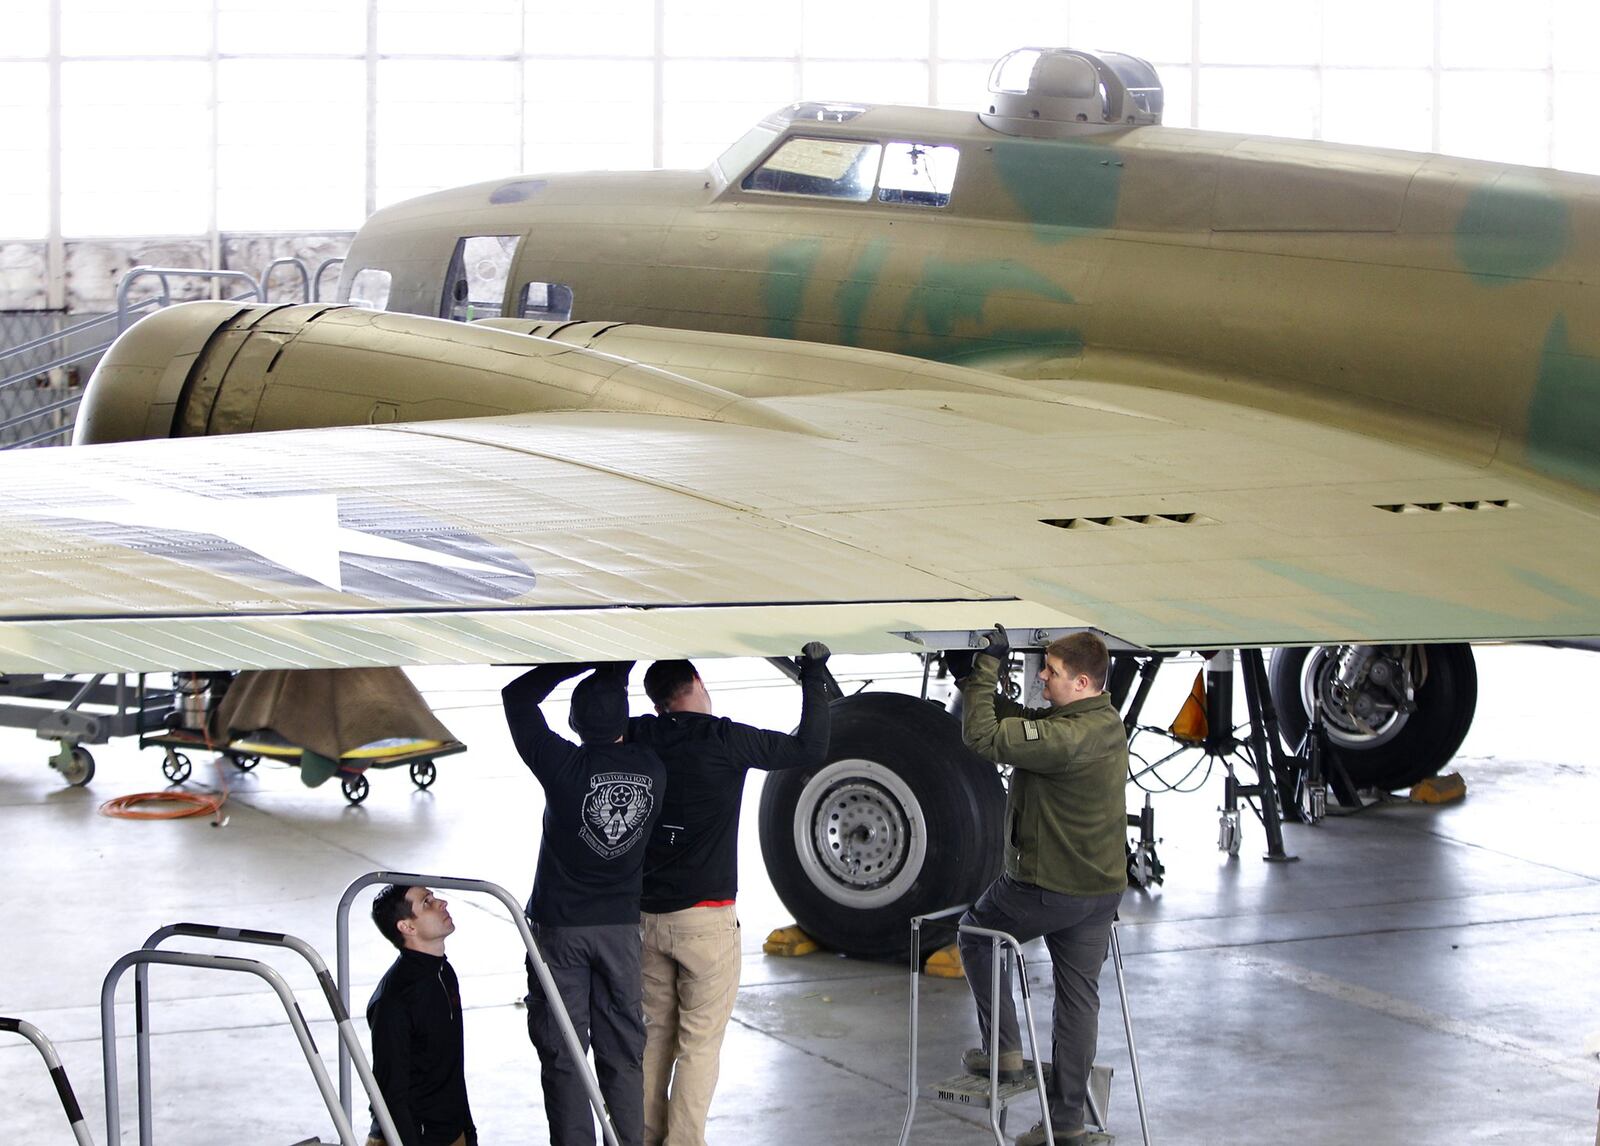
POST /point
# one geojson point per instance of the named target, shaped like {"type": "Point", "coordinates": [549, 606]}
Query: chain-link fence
{"type": "Point", "coordinates": [37, 403]}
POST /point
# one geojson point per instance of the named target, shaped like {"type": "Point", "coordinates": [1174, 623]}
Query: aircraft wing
{"type": "Point", "coordinates": [1166, 521]}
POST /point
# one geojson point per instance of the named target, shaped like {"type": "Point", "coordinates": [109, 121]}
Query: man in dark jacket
{"type": "Point", "coordinates": [691, 931]}
{"type": "Point", "coordinates": [1065, 866]}
{"type": "Point", "coordinates": [415, 1018]}
{"type": "Point", "coordinates": [601, 800]}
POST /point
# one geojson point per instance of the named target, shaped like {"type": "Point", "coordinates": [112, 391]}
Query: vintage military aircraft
{"type": "Point", "coordinates": [881, 376]}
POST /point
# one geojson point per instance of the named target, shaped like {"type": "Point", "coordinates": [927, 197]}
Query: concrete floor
{"type": "Point", "coordinates": [1422, 975]}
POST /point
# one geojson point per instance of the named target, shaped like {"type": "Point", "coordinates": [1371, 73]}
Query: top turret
{"type": "Point", "coordinates": [1054, 92]}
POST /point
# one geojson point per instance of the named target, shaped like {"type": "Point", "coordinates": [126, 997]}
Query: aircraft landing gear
{"type": "Point", "coordinates": [1394, 714]}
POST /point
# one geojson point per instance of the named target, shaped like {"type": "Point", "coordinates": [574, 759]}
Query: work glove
{"type": "Point", "coordinates": [958, 662]}
{"type": "Point", "coordinates": [813, 657]}
{"type": "Point", "coordinates": [997, 644]}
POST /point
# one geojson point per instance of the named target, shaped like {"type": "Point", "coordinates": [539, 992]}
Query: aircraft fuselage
{"type": "Point", "coordinates": [1444, 301]}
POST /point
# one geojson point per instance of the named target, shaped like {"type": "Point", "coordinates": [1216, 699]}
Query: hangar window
{"type": "Point", "coordinates": [370, 288]}
{"type": "Point", "coordinates": [917, 173]}
{"type": "Point", "coordinates": [545, 300]}
{"type": "Point", "coordinates": [831, 168]}
{"type": "Point", "coordinates": [475, 285]}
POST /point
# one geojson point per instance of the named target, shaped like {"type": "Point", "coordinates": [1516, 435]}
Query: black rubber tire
{"type": "Point", "coordinates": [175, 766]}
{"type": "Point", "coordinates": [355, 787]}
{"type": "Point", "coordinates": [962, 811]}
{"type": "Point", "coordinates": [1445, 706]}
{"type": "Point", "coordinates": [424, 773]}
{"type": "Point", "coordinates": [80, 769]}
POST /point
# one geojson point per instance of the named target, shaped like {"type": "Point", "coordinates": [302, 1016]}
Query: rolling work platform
{"type": "Point", "coordinates": [976, 1092]}
{"type": "Point", "coordinates": [75, 712]}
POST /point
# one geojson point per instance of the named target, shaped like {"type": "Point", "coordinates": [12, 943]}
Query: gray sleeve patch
{"type": "Point", "coordinates": [1030, 730]}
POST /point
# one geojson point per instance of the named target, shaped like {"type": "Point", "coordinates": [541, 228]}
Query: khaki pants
{"type": "Point", "coordinates": [691, 976]}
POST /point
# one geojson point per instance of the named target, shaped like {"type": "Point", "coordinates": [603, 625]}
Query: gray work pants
{"type": "Point", "coordinates": [596, 970]}
{"type": "Point", "coordinates": [1077, 930]}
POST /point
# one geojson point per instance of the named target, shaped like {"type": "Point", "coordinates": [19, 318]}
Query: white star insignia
{"type": "Point", "coordinates": [298, 532]}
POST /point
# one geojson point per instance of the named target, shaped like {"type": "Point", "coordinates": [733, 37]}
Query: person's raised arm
{"type": "Point", "coordinates": [773, 751]}
{"type": "Point", "coordinates": [521, 698]}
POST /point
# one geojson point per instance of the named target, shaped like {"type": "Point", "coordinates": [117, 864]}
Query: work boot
{"type": "Point", "coordinates": [975, 1060]}
{"type": "Point", "coordinates": [1035, 1137]}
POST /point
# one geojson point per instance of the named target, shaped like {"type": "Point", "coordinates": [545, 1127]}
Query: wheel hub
{"type": "Point", "coordinates": [860, 833]}
{"type": "Point", "coordinates": [1365, 707]}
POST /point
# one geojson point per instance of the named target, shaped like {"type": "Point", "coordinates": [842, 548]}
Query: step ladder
{"type": "Point", "coordinates": [551, 992]}
{"type": "Point", "coordinates": [146, 956]}
{"type": "Point", "coordinates": [990, 1093]}
{"type": "Point", "coordinates": [349, 1038]}
{"type": "Point", "coordinates": [58, 1075]}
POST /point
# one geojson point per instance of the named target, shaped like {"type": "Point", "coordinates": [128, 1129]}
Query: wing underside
{"type": "Point", "coordinates": [1166, 521]}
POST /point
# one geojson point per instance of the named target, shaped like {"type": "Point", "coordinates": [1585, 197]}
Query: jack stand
{"type": "Point", "coordinates": [1263, 796]}
{"type": "Point", "coordinates": [1144, 865]}
{"type": "Point", "coordinates": [1229, 833]}
{"type": "Point", "coordinates": [1322, 772]}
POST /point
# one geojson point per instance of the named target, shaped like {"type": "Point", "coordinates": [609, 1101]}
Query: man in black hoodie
{"type": "Point", "coordinates": [601, 800]}
{"type": "Point", "coordinates": [691, 931]}
{"type": "Point", "coordinates": [415, 1017]}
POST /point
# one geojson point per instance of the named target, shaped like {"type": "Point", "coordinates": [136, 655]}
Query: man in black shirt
{"type": "Point", "coordinates": [691, 931]}
{"type": "Point", "coordinates": [415, 1017]}
{"type": "Point", "coordinates": [601, 800]}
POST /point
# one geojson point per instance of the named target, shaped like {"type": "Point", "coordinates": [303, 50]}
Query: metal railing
{"type": "Point", "coordinates": [316, 276]}
{"type": "Point", "coordinates": [349, 1041]}
{"type": "Point", "coordinates": [165, 274]}
{"type": "Point", "coordinates": [14, 373]}
{"type": "Point", "coordinates": [287, 261]}
{"type": "Point", "coordinates": [58, 1075]}
{"type": "Point", "coordinates": [999, 940]}
{"type": "Point", "coordinates": [108, 1032]}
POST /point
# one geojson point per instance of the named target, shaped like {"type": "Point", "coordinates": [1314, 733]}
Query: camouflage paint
{"type": "Point", "coordinates": [789, 271]}
{"type": "Point", "coordinates": [1397, 613]}
{"type": "Point", "coordinates": [1061, 185]}
{"type": "Point", "coordinates": [1110, 617]}
{"type": "Point", "coordinates": [1511, 228]}
{"type": "Point", "coordinates": [1227, 625]}
{"type": "Point", "coordinates": [1065, 342]}
{"type": "Point", "coordinates": [1580, 603]}
{"type": "Point", "coordinates": [1564, 412]}
{"type": "Point", "coordinates": [949, 292]}
{"type": "Point", "coordinates": [851, 297]}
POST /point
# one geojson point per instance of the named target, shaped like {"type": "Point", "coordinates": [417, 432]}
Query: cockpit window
{"type": "Point", "coordinates": [745, 150]}
{"type": "Point", "coordinates": [475, 283]}
{"type": "Point", "coordinates": [920, 174]}
{"type": "Point", "coordinates": [831, 168]}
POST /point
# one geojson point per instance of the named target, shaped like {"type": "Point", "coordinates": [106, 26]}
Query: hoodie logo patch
{"type": "Point", "coordinates": [616, 808]}
{"type": "Point", "coordinates": [1030, 730]}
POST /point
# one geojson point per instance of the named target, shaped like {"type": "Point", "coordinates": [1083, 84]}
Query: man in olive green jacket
{"type": "Point", "coordinates": [1065, 869]}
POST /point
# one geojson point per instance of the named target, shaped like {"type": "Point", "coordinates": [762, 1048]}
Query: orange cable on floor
{"type": "Point", "coordinates": [188, 803]}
